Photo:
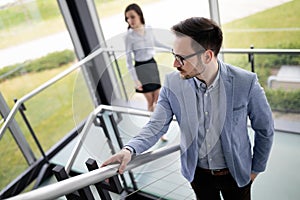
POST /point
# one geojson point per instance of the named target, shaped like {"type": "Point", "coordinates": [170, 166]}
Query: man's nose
{"type": "Point", "coordinates": [176, 63]}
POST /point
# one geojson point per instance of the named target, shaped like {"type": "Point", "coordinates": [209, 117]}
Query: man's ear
{"type": "Point", "coordinates": [208, 55]}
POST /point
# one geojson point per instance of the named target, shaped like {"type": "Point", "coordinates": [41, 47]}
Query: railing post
{"type": "Point", "coordinates": [22, 108]}
{"type": "Point", "coordinates": [251, 59]}
{"type": "Point", "coordinates": [113, 151]}
{"type": "Point", "coordinates": [84, 193]}
{"type": "Point", "coordinates": [102, 187]}
{"type": "Point", "coordinates": [103, 193]}
{"type": "Point", "coordinates": [106, 133]}
{"type": "Point", "coordinates": [119, 139]}
{"type": "Point", "coordinates": [72, 184]}
{"type": "Point", "coordinates": [60, 175]}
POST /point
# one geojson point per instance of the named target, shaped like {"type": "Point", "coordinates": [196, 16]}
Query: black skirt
{"type": "Point", "coordinates": [148, 74]}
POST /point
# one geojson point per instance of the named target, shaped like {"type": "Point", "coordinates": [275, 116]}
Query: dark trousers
{"type": "Point", "coordinates": [209, 187]}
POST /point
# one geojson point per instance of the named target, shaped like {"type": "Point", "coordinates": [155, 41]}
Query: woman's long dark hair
{"type": "Point", "coordinates": [137, 9]}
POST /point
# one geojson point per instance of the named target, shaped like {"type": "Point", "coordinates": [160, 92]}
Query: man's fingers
{"type": "Point", "coordinates": [109, 161]}
{"type": "Point", "coordinates": [122, 167]}
{"type": "Point", "coordinates": [123, 164]}
{"type": "Point", "coordinates": [106, 163]}
{"type": "Point", "coordinates": [123, 157]}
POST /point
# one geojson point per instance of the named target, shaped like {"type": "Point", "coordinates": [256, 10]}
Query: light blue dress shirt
{"type": "Point", "coordinates": [210, 103]}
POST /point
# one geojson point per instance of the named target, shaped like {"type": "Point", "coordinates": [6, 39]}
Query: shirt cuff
{"type": "Point", "coordinates": [129, 148]}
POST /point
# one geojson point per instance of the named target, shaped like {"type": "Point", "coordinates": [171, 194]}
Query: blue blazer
{"type": "Point", "coordinates": [245, 98]}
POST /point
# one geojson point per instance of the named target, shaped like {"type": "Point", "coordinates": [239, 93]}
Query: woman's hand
{"type": "Point", "coordinates": [138, 85]}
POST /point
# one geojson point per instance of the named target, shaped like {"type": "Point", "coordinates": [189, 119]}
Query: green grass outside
{"type": "Point", "coordinates": [52, 113]}
{"type": "Point", "coordinates": [243, 33]}
{"type": "Point", "coordinates": [283, 16]}
{"type": "Point", "coordinates": [48, 121]}
{"type": "Point", "coordinates": [260, 31]}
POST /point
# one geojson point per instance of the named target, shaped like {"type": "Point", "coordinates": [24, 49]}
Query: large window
{"type": "Point", "coordinates": [35, 46]}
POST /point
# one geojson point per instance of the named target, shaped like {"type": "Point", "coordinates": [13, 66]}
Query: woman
{"type": "Point", "coordinates": [140, 41]}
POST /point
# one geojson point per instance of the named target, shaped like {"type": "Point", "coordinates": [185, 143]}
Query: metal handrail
{"type": "Point", "coordinates": [83, 180]}
{"type": "Point", "coordinates": [51, 82]}
{"type": "Point", "coordinates": [101, 50]}
{"type": "Point", "coordinates": [234, 50]}
{"type": "Point", "coordinates": [46, 85]}
{"type": "Point", "coordinates": [261, 51]}
{"type": "Point", "coordinates": [89, 123]}
{"type": "Point", "coordinates": [92, 116]}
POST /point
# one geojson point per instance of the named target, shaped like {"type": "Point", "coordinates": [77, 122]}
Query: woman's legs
{"type": "Point", "coordinates": [150, 100]}
{"type": "Point", "coordinates": [155, 97]}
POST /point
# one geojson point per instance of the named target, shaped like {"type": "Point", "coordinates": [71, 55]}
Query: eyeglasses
{"type": "Point", "coordinates": [180, 58]}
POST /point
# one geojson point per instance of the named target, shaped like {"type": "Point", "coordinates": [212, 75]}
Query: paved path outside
{"type": "Point", "coordinates": [162, 14]}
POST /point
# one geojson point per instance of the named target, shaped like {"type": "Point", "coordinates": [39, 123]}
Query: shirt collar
{"type": "Point", "coordinates": [201, 85]}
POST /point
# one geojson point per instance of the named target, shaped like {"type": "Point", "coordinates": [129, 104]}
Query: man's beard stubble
{"type": "Point", "coordinates": [187, 76]}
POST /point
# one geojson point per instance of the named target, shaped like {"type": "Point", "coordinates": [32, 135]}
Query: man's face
{"type": "Point", "coordinates": [191, 66]}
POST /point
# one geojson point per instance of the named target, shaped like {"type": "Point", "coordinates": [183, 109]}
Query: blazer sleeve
{"type": "Point", "coordinates": [157, 125]}
{"type": "Point", "coordinates": [262, 123]}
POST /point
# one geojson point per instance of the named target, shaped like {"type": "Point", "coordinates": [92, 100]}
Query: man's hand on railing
{"type": "Point", "coordinates": [123, 157]}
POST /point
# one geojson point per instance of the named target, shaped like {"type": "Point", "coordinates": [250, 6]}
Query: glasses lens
{"type": "Point", "coordinates": [179, 59]}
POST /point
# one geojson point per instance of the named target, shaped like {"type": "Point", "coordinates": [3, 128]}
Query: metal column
{"type": "Point", "coordinates": [17, 133]}
{"type": "Point", "coordinates": [215, 15]}
{"type": "Point", "coordinates": [85, 30]}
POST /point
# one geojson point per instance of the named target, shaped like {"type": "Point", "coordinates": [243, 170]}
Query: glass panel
{"type": "Point", "coordinates": [279, 76]}
{"type": "Point", "coordinates": [50, 113]}
{"type": "Point", "coordinates": [56, 111]}
{"type": "Point", "coordinates": [158, 178]}
{"type": "Point", "coordinates": [82, 104]}
{"type": "Point", "coordinates": [94, 146]}
{"type": "Point", "coordinates": [25, 27]}
{"type": "Point", "coordinates": [53, 112]}
{"type": "Point", "coordinates": [30, 30]}
{"type": "Point", "coordinates": [277, 73]}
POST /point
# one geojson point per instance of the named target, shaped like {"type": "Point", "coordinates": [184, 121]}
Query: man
{"type": "Point", "coordinates": [212, 102]}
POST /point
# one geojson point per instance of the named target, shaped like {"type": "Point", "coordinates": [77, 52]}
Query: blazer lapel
{"type": "Point", "coordinates": [227, 81]}
{"type": "Point", "coordinates": [189, 110]}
